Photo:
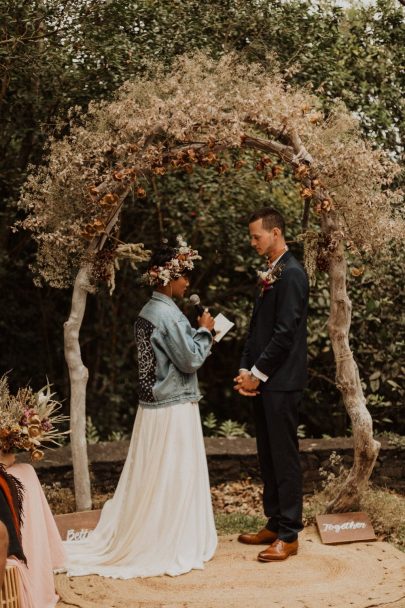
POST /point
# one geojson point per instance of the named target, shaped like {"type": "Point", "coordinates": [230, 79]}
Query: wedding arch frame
{"type": "Point", "coordinates": [284, 144]}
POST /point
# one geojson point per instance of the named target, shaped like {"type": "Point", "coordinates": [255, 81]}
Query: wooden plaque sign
{"type": "Point", "coordinates": [344, 528]}
{"type": "Point", "coordinates": [76, 526]}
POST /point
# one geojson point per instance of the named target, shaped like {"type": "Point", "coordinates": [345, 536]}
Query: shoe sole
{"type": "Point", "coordinates": [262, 559]}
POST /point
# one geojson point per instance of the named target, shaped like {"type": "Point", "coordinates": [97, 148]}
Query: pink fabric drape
{"type": "Point", "coordinates": [41, 543]}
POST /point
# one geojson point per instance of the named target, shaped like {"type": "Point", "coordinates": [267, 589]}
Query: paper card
{"type": "Point", "coordinates": [344, 528]}
{"type": "Point", "coordinates": [222, 326]}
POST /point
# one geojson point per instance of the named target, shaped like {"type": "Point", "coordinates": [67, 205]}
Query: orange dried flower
{"type": "Point", "coordinates": [109, 200]}
{"type": "Point", "coordinates": [301, 171]}
{"type": "Point", "coordinates": [98, 225]}
{"type": "Point", "coordinates": [37, 455]}
{"type": "Point", "coordinates": [209, 158]}
{"type": "Point", "coordinates": [159, 170]}
{"type": "Point", "coordinates": [222, 167]}
{"type": "Point", "coordinates": [315, 118]}
{"type": "Point", "coordinates": [326, 204]}
{"type": "Point", "coordinates": [306, 192]}
{"type": "Point", "coordinates": [239, 164]}
{"type": "Point", "coordinates": [357, 272]}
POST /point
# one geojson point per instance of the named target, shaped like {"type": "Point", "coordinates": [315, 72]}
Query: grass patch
{"type": "Point", "coordinates": [235, 523]}
{"type": "Point", "coordinates": [385, 508]}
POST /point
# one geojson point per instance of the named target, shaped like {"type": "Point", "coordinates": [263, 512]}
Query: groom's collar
{"type": "Point", "coordinates": [272, 265]}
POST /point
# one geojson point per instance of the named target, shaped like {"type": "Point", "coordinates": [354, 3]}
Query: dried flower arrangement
{"type": "Point", "coordinates": [29, 419]}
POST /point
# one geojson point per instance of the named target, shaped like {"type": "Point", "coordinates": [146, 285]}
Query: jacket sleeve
{"type": "Point", "coordinates": [185, 346]}
{"type": "Point", "coordinates": [245, 357]}
{"type": "Point", "coordinates": [291, 302]}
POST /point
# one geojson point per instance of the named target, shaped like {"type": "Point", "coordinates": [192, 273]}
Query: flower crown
{"type": "Point", "coordinates": [182, 262]}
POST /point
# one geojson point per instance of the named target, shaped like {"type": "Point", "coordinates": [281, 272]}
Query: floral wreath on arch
{"type": "Point", "coordinates": [182, 262]}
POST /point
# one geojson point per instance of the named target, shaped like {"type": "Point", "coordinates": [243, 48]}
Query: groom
{"type": "Point", "coordinates": [273, 370]}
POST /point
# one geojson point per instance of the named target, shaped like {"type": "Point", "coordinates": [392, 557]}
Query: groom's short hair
{"type": "Point", "coordinates": [271, 218]}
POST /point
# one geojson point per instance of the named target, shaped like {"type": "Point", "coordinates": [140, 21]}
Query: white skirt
{"type": "Point", "coordinates": [160, 519]}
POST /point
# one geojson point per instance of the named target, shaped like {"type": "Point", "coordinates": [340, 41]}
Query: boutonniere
{"type": "Point", "coordinates": [267, 278]}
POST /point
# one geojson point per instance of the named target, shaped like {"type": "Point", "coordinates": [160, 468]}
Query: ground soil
{"type": "Point", "coordinates": [355, 575]}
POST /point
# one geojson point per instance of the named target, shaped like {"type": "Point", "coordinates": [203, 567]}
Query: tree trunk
{"type": "Point", "coordinates": [78, 375]}
{"type": "Point", "coordinates": [348, 381]}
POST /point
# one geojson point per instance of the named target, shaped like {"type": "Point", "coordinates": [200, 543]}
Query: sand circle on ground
{"type": "Point", "coordinates": [355, 575]}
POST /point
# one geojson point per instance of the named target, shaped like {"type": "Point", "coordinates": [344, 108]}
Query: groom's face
{"type": "Point", "coordinates": [264, 241]}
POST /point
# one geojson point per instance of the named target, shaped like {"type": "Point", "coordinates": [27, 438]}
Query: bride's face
{"type": "Point", "coordinates": [179, 286]}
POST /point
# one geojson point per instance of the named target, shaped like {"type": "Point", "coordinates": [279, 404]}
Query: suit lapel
{"type": "Point", "coordinates": [284, 259]}
{"type": "Point", "coordinates": [259, 299]}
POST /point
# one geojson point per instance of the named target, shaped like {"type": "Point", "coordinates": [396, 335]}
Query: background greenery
{"type": "Point", "coordinates": [54, 57]}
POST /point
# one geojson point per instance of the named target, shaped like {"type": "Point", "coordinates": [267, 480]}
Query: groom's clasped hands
{"type": "Point", "coordinates": [246, 384]}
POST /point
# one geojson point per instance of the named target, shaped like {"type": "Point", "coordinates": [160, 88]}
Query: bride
{"type": "Point", "coordinates": [160, 519]}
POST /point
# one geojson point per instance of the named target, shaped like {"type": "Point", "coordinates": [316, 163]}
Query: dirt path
{"type": "Point", "coordinates": [357, 575]}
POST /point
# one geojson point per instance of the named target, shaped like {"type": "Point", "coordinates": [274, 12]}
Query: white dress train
{"type": "Point", "coordinates": [160, 519]}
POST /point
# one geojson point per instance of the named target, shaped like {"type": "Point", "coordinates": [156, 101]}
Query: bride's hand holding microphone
{"type": "Point", "coordinates": [206, 320]}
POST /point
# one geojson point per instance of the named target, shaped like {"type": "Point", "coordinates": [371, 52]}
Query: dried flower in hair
{"type": "Point", "coordinates": [183, 261]}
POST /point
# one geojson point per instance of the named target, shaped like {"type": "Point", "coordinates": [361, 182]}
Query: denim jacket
{"type": "Point", "coordinates": [170, 352]}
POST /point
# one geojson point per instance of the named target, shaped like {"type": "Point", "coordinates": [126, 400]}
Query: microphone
{"type": "Point", "coordinates": [195, 300]}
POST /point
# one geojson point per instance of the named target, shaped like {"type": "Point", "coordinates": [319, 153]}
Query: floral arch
{"type": "Point", "coordinates": [191, 116]}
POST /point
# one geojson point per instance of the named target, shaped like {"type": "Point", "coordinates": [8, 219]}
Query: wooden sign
{"type": "Point", "coordinates": [76, 526]}
{"type": "Point", "coordinates": [344, 528]}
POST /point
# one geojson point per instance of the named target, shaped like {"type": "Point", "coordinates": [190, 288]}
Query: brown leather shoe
{"type": "Point", "coordinates": [263, 537]}
{"type": "Point", "coordinates": [278, 550]}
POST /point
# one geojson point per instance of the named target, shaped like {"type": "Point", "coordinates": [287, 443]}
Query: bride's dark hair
{"type": "Point", "coordinates": [161, 255]}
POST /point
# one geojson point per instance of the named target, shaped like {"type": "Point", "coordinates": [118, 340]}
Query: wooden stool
{"type": "Point", "coordinates": [9, 593]}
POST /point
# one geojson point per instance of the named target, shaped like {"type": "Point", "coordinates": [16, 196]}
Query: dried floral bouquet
{"type": "Point", "coordinates": [29, 419]}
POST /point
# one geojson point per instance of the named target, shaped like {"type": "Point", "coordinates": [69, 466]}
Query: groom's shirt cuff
{"type": "Point", "coordinates": [258, 374]}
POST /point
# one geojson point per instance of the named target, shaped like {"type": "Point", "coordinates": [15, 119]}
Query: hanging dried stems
{"type": "Point", "coordinates": [192, 116]}
{"type": "Point", "coordinates": [205, 107]}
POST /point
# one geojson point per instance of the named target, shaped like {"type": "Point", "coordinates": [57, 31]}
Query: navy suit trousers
{"type": "Point", "coordinates": [276, 418]}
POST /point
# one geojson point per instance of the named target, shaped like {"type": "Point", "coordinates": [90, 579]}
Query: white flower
{"type": "Point", "coordinates": [173, 269]}
{"type": "Point", "coordinates": [181, 242]}
{"type": "Point", "coordinates": [42, 396]}
{"type": "Point", "coordinates": [262, 274]}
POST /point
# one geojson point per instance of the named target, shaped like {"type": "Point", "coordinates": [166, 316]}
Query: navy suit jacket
{"type": "Point", "coordinates": [277, 338]}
